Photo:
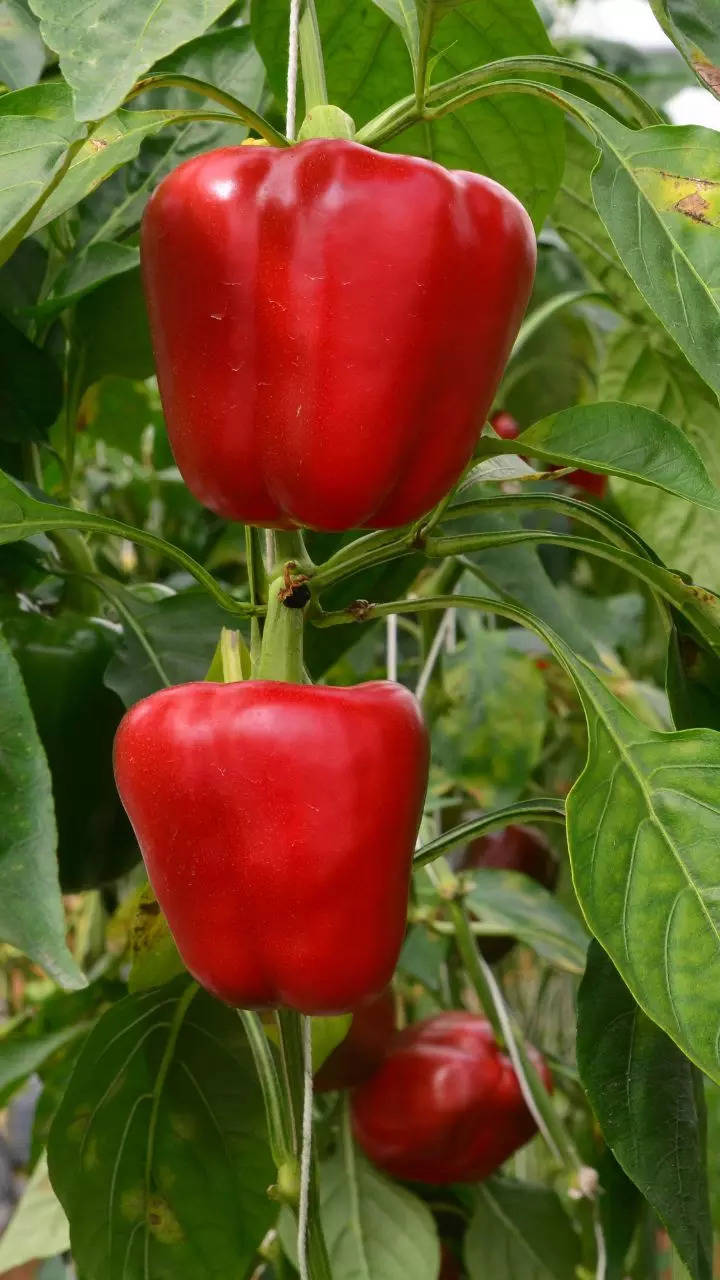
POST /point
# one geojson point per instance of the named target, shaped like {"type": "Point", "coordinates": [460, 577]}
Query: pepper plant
{"type": "Point", "coordinates": [336, 204]}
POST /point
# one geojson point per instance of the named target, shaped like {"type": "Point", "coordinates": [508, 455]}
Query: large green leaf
{"type": "Point", "coordinates": [37, 132]}
{"type": "Point", "coordinates": [618, 439]}
{"type": "Point", "coordinates": [643, 823]}
{"type": "Point", "coordinates": [31, 914]}
{"type": "Point", "coordinates": [22, 54]}
{"type": "Point", "coordinates": [374, 1229]}
{"type": "Point", "coordinates": [520, 1230]}
{"type": "Point", "coordinates": [227, 59]}
{"type": "Point", "coordinates": [692, 25]}
{"type": "Point", "coordinates": [576, 218]}
{"type": "Point", "coordinates": [657, 191]}
{"type": "Point", "coordinates": [647, 1099]}
{"type": "Point", "coordinates": [111, 144]}
{"type": "Point", "coordinates": [639, 370]}
{"type": "Point", "coordinates": [508, 902]}
{"type": "Point", "coordinates": [158, 1152]}
{"type": "Point", "coordinates": [517, 143]}
{"type": "Point", "coordinates": [105, 47]}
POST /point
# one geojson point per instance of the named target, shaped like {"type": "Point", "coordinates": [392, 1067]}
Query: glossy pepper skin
{"type": "Point", "coordinates": [62, 661]}
{"type": "Point", "coordinates": [445, 1105]}
{"type": "Point", "coordinates": [592, 482]}
{"type": "Point", "coordinates": [277, 822]}
{"type": "Point", "coordinates": [364, 1047]}
{"type": "Point", "coordinates": [515, 848]}
{"type": "Point", "coordinates": [330, 324]}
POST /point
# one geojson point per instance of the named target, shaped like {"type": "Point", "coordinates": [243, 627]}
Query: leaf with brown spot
{"type": "Point", "coordinates": [165, 1100]}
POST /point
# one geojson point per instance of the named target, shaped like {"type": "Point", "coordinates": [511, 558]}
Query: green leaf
{"type": "Point", "coordinates": [643, 826]}
{"type": "Point", "coordinates": [657, 191]}
{"type": "Point", "coordinates": [91, 268]}
{"type": "Point", "coordinates": [22, 53]}
{"type": "Point", "coordinates": [574, 215]}
{"type": "Point", "coordinates": [520, 1230]}
{"type": "Point", "coordinates": [31, 389]}
{"type": "Point", "coordinates": [374, 1229]}
{"type": "Point", "coordinates": [21, 1055]}
{"type": "Point", "coordinates": [37, 134]}
{"type": "Point", "coordinates": [620, 439]}
{"type": "Point", "coordinates": [490, 739]}
{"type": "Point", "coordinates": [111, 144]}
{"type": "Point", "coordinates": [519, 145]}
{"type": "Point", "coordinates": [404, 13]}
{"type": "Point", "coordinates": [639, 370]}
{"type": "Point", "coordinates": [692, 25]}
{"type": "Point", "coordinates": [104, 49]}
{"type": "Point", "coordinates": [647, 1099]}
{"type": "Point", "coordinates": [158, 1152]}
{"type": "Point", "coordinates": [166, 642]}
{"type": "Point", "coordinates": [508, 902]}
{"type": "Point", "coordinates": [38, 1227]}
{"type": "Point", "coordinates": [31, 914]}
{"type": "Point", "coordinates": [227, 59]}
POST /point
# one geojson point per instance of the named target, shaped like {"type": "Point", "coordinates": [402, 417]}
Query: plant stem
{"type": "Point", "coordinates": [311, 58]}
{"type": "Point", "coordinates": [281, 655]}
{"type": "Point", "coordinates": [79, 592]}
{"type": "Point", "coordinates": [233, 104]}
{"type": "Point", "coordinates": [292, 1046]}
{"type": "Point", "coordinates": [548, 810]}
{"type": "Point", "coordinates": [256, 585]}
{"type": "Point", "coordinates": [290, 548]}
{"type": "Point", "coordinates": [421, 70]}
{"type": "Point", "coordinates": [469, 85]}
{"type": "Point", "coordinates": [279, 1130]}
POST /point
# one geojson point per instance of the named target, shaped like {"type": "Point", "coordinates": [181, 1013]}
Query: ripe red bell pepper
{"type": "Point", "coordinates": [445, 1105]}
{"type": "Point", "coordinates": [364, 1046]}
{"type": "Point", "coordinates": [277, 823]}
{"type": "Point", "coordinates": [515, 848]}
{"type": "Point", "coordinates": [593, 482]}
{"type": "Point", "coordinates": [330, 324]}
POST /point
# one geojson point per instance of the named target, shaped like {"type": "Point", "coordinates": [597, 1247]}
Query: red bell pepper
{"type": "Point", "coordinates": [330, 324]}
{"type": "Point", "coordinates": [277, 823]}
{"type": "Point", "coordinates": [445, 1105]}
{"type": "Point", "coordinates": [364, 1046]}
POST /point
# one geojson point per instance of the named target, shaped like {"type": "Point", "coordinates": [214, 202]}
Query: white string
{"type": "Point", "coordinates": [305, 1150]}
{"type": "Point", "coordinates": [391, 647]}
{"type": "Point", "coordinates": [446, 626]}
{"type": "Point", "coordinates": [292, 75]}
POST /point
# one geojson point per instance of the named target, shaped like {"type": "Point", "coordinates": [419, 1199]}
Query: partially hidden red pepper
{"type": "Point", "coordinates": [364, 1046]}
{"type": "Point", "coordinates": [277, 823]}
{"type": "Point", "coordinates": [445, 1105]}
{"type": "Point", "coordinates": [515, 848]}
{"type": "Point", "coordinates": [330, 324]}
{"type": "Point", "coordinates": [593, 482]}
